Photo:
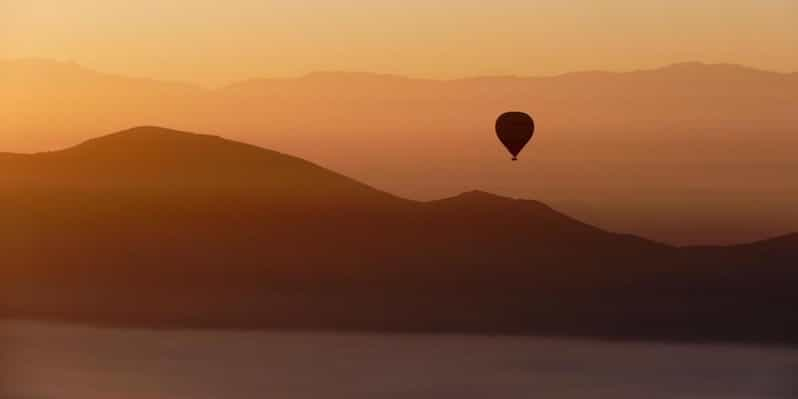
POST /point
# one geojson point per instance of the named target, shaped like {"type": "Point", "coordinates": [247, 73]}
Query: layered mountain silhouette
{"type": "Point", "coordinates": [702, 141]}
{"type": "Point", "coordinates": [159, 228]}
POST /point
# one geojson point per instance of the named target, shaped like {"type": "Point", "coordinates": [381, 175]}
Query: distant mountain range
{"type": "Point", "coordinates": [159, 228]}
{"type": "Point", "coordinates": [632, 151]}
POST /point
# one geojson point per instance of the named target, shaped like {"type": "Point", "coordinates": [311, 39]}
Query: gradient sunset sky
{"type": "Point", "coordinates": [212, 42]}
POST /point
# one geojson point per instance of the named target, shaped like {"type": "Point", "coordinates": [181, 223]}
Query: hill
{"type": "Point", "coordinates": [160, 228]}
{"type": "Point", "coordinates": [632, 151]}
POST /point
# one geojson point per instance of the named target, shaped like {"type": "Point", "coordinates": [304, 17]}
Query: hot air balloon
{"type": "Point", "coordinates": [515, 129]}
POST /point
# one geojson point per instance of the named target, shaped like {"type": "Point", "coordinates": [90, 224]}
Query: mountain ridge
{"type": "Point", "coordinates": [129, 251]}
{"type": "Point", "coordinates": [150, 136]}
{"type": "Point", "coordinates": [155, 158]}
{"type": "Point", "coordinates": [596, 133]}
{"type": "Point", "coordinates": [705, 67]}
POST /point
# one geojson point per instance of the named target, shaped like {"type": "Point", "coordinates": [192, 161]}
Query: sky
{"type": "Point", "coordinates": [207, 43]}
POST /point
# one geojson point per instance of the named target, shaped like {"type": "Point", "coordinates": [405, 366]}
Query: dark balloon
{"type": "Point", "coordinates": [515, 129]}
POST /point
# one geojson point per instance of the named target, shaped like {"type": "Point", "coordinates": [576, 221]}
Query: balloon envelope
{"type": "Point", "coordinates": [515, 129]}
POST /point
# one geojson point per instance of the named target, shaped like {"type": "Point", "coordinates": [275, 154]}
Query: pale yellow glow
{"type": "Point", "coordinates": [215, 42]}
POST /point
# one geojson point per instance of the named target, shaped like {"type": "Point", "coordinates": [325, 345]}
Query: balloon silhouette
{"type": "Point", "coordinates": [515, 129]}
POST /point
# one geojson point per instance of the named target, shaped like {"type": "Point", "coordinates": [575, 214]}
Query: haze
{"type": "Point", "coordinates": [203, 42]}
{"type": "Point", "coordinates": [653, 143]}
{"type": "Point", "coordinates": [642, 152]}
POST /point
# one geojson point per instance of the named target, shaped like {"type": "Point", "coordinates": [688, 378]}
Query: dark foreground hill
{"type": "Point", "coordinates": [158, 228]}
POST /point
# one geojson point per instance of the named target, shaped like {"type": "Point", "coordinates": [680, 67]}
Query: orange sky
{"type": "Point", "coordinates": [205, 42]}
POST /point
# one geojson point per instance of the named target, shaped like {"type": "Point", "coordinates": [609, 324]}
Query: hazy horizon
{"type": "Point", "coordinates": [442, 40]}
{"type": "Point", "coordinates": [634, 151]}
{"type": "Point", "coordinates": [354, 72]}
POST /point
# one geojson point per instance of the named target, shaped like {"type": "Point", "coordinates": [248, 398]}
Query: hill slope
{"type": "Point", "coordinates": [152, 160]}
{"type": "Point", "coordinates": [694, 140]}
{"type": "Point", "coordinates": [154, 227]}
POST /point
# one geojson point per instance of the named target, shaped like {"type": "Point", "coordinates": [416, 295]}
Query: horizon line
{"type": "Point", "coordinates": [306, 75]}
